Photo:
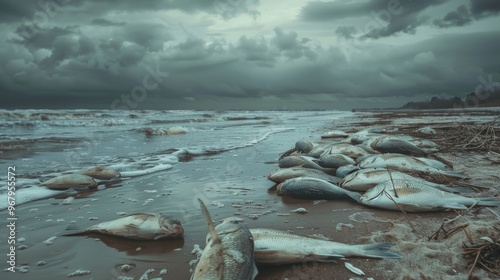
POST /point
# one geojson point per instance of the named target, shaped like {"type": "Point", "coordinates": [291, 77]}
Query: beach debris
{"type": "Point", "coordinates": [50, 240]}
{"type": "Point", "coordinates": [229, 253]}
{"type": "Point", "coordinates": [79, 272]}
{"type": "Point", "coordinates": [427, 130]}
{"type": "Point", "coordinates": [339, 226]}
{"type": "Point", "coordinates": [169, 131]}
{"type": "Point", "coordinates": [353, 269]}
{"type": "Point", "coordinates": [41, 263]}
{"type": "Point", "coordinates": [64, 182]}
{"type": "Point", "coordinates": [101, 173]}
{"type": "Point", "coordinates": [281, 247]}
{"type": "Point", "coordinates": [68, 200]}
{"type": "Point", "coordinates": [146, 274]}
{"type": "Point", "coordinates": [300, 210]}
{"type": "Point", "coordinates": [485, 255]}
{"type": "Point", "coordinates": [415, 196]}
{"type": "Point", "coordinates": [140, 226]}
{"type": "Point", "coordinates": [313, 188]}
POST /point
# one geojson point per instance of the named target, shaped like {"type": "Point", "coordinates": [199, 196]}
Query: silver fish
{"type": "Point", "coordinates": [345, 170]}
{"type": "Point", "coordinates": [101, 173]}
{"type": "Point", "coordinates": [346, 149]}
{"type": "Point", "coordinates": [414, 196]}
{"type": "Point", "coordinates": [335, 160]}
{"type": "Point", "coordinates": [229, 252]}
{"type": "Point", "coordinates": [139, 226]}
{"type": "Point", "coordinates": [313, 188]}
{"type": "Point", "coordinates": [304, 146]}
{"type": "Point", "coordinates": [303, 161]}
{"type": "Point", "coordinates": [334, 134]}
{"type": "Point", "coordinates": [364, 179]}
{"type": "Point", "coordinates": [283, 174]}
{"type": "Point", "coordinates": [385, 144]}
{"type": "Point", "coordinates": [68, 181]}
{"type": "Point", "coordinates": [404, 163]}
{"type": "Point", "coordinates": [280, 247]}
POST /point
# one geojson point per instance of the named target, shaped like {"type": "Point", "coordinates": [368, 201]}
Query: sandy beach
{"type": "Point", "coordinates": [234, 183]}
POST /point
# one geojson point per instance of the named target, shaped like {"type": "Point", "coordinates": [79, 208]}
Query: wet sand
{"type": "Point", "coordinates": [234, 183]}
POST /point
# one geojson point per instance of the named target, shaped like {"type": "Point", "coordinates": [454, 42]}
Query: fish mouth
{"type": "Point", "coordinates": [178, 230]}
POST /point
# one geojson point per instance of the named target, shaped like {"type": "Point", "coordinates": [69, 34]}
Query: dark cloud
{"type": "Point", "coordinates": [383, 18]}
{"type": "Point", "coordinates": [346, 32]}
{"type": "Point", "coordinates": [257, 50]}
{"type": "Point", "coordinates": [291, 46]}
{"type": "Point", "coordinates": [466, 14]}
{"type": "Point", "coordinates": [33, 37]}
{"type": "Point", "coordinates": [105, 22]}
{"type": "Point", "coordinates": [149, 35]}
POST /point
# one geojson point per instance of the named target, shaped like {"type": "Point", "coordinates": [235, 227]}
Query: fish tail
{"type": "Point", "coordinates": [488, 201]}
{"type": "Point", "coordinates": [210, 222]}
{"type": "Point", "coordinates": [454, 189]}
{"type": "Point", "coordinates": [378, 250]}
{"type": "Point", "coordinates": [354, 195]}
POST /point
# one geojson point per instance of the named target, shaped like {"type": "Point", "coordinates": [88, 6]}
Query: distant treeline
{"type": "Point", "coordinates": [489, 97]}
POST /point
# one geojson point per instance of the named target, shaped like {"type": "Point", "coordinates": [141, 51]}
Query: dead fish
{"type": "Point", "coordinates": [304, 146]}
{"type": "Point", "coordinates": [229, 252]}
{"type": "Point", "coordinates": [140, 226]}
{"type": "Point", "coordinates": [427, 130]}
{"type": "Point", "coordinates": [313, 188]}
{"type": "Point", "coordinates": [405, 163]}
{"type": "Point", "coordinates": [280, 247]}
{"type": "Point", "coordinates": [68, 181]}
{"type": "Point", "coordinates": [345, 170]}
{"type": "Point", "coordinates": [335, 160]}
{"type": "Point", "coordinates": [334, 134]}
{"type": "Point", "coordinates": [283, 174]}
{"type": "Point", "coordinates": [364, 179]}
{"type": "Point", "coordinates": [346, 149]}
{"type": "Point", "coordinates": [101, 173]}
{"type": "Point", "coordinates": [303, 161]}
{"type": "Point", "coordinates": [386, 144]}
{"type": "Point", "coordinates": [414, 196]}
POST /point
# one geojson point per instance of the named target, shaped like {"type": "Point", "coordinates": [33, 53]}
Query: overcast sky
{"type": "Point", "coordinates": [244, 54]}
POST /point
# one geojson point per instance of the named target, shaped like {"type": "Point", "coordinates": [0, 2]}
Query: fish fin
{"type": "Point", "coordinates": [454, 205]}
{"type": "Point", "coordinates": [379, 251]}
{"type": "Point", "coordinates": [255, 271]}
{"type": "Point", "coordinates": [488, 201]}
{"type": "Point", "coordinates": [210, 222]}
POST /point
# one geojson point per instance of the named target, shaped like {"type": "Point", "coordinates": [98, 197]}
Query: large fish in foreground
{"type": "Point", "coordinates": [405, 163]}
{"type": "Point", "coordinates": [414, 196]}
{"type": "Point", "coordinates": [140, 226]}
{"type": "Point", "coordinates": [229, 252]}
{"type": "Point", "coordinates": [280, 247]}
{"type": "Point", "coordinates": [364, 179]}
{"type": "Point", "coordinates": [313, 188]}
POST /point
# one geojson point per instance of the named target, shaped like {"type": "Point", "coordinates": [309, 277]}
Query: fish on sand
{"type": "Point", "coordinates": [101, 173]}
{"type": "Point", "coordinates": [364, 179]}
{"type": "Point", "coordinates": [415, 196]}
{"type": "Point", "coordinates": [283, 174]}
{"type": "Point", "coordinates": [64, 182]}
{"type": "Point", "coordinates": [313, 188]}
{"type": "Point", "coordinates": [280, 247]}
{"type": "Point", "coordinates": [229, 253]}
{"type": "Point", "coordinates": [139, 226]}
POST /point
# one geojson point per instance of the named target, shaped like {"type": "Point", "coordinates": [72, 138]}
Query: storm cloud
{"type": "Point", "coordinates": [243, 54]}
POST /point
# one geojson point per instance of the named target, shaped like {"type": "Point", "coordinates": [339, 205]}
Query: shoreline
{"type": "Point", "coordinates": [234, 183]}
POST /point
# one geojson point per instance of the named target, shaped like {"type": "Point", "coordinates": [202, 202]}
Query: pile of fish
{"type": "Point", "coordinates": [385, 168]}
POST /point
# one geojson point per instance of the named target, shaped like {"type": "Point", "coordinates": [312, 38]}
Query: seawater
{"type": "Point", "coordinates": [42, 144]}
